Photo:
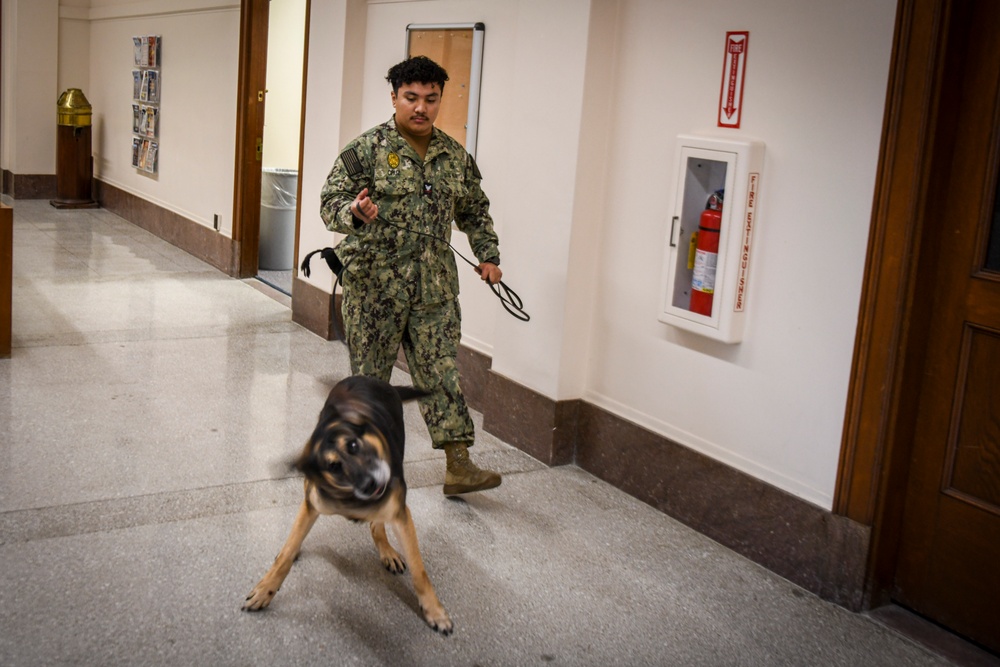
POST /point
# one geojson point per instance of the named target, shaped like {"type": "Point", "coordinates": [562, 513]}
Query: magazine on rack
{"type": "Point", "coordinates": [153, 50]}
{"type": "Point", "coordinates": [151, 156]}
{"type": "Point", "coordinates": [153, 94]}
{"type": "Point", "coordinates": [150, 115]}
{"type": "Point", "coordinates": [140, 54]}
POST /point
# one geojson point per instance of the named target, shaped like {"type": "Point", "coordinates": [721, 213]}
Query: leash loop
{"type": "Point", "coordinates": [509, 299]}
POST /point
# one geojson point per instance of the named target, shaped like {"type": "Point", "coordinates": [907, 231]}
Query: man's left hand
{"type": "Point", "coordinates": [489, 272]}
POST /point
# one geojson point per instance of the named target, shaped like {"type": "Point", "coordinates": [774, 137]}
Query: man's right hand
{"type": "Point", "coordinates": [363, 207]}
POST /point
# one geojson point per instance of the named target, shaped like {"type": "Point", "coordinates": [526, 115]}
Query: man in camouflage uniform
{"type": "Point", "coordinates": [394, 191]}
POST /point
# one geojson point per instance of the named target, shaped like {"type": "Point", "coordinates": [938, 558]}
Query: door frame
{"type": "Point", "coordinates": [251, 86]}
{"type": "Point", "coordinates": [891, 334]}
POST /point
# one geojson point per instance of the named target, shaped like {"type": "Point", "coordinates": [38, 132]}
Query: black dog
{"type": "Point", "coordinates": [353, 466]}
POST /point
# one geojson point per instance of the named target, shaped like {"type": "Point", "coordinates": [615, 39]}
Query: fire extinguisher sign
{"type": "Point", "coordinates": [734, 67]}
{"type": "Point", "coordinates": [753, 181]}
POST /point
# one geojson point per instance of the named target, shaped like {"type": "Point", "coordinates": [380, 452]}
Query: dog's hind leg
{"type": "Point", "coordinates": [390, 558]}
{"type": "Point", "coordinates": [264, 591]}
{"type": "Point", "coordinates": [433, 611]}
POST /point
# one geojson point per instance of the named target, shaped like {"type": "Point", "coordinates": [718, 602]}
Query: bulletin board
{"type": "Point", "coordinates": [458, 48]}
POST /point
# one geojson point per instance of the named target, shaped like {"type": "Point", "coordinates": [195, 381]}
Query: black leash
{"type": "Point", "coordinates": [508, 298]}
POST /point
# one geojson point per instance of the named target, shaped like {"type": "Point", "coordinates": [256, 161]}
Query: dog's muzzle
{"type": "Point", "coordinates": [375, 483]}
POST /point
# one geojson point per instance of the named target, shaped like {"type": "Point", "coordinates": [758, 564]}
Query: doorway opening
{"type": "Point", "coordinates": [282, 131]}
{"type": "Point", "coordinates": [286, 72]}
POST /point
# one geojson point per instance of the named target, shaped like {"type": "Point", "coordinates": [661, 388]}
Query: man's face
{"type": "Point", "coordinates": [417, 106]}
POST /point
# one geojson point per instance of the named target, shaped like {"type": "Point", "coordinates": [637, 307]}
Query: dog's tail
{"type": "Point", "coordinates": [410, 393]}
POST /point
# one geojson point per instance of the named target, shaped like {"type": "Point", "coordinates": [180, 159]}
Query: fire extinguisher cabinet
{"type": "Point", "coordinates": [74, 163]}
{"type": "Point", "coordinates": [711, 235]}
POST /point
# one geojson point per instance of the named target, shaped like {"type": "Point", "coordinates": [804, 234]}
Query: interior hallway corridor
{"type": "Point", "coordinates": [146, 416]}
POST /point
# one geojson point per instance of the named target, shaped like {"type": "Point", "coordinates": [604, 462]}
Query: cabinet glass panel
{"type": "Point", "coordinates": [695, 270]}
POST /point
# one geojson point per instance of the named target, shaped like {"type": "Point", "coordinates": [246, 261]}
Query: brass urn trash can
{"type": "Point", "coordinates": [74, 163]}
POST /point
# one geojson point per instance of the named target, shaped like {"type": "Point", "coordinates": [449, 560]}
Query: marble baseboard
{"type": "Point", "coordinates": [818, 550]}
{"type": "Point", "coordinates": [28, 186]}
{"type": "Point", "coordinates": [6, 280]}
{"type": "Point", "coordinates": [314, 309]}
{"type": "Point", "coordinates": [203, 242]}
{"type": "Point", "coordinates": [539, 426]}
{"type": "Point", "coordinates": [812, 547]}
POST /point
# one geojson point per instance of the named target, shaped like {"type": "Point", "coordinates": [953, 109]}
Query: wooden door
{"type": "Point", "coordinates": [250, 93]}
{"type": "Point", "coordinates": [948, 567]}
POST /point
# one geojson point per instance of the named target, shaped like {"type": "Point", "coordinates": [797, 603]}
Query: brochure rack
{"type": "Point", "coordinates": [146, 103]}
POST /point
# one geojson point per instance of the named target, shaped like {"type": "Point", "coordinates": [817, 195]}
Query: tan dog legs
{"type": "Point", "coordinates": [264, 591]}
{"type": "Point", "coordinates": [406, 535]}
{"type": "Point", "coordinates": [390, 558]}
{"type": "Point", "coordinates": [435, 615]}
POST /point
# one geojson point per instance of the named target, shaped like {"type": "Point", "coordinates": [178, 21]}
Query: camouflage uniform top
{"type": "Point", "coordinates": [422, 195]}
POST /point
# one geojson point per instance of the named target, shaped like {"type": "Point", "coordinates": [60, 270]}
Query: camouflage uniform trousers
{"type": "Point", "coordinates": [382, 313]}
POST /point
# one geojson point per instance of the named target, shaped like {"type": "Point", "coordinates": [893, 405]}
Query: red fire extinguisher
{"type": "Point", "coordinates": [706, 256]}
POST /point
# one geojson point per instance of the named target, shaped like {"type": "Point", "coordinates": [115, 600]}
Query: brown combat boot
{"type": "Point", "coordinates": [462, 475]}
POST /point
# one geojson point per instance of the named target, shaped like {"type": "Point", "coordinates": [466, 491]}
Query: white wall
{"type": "Point", "coordinates": [581, 102]}
{"type": "Point", "coordinates": [332, 115]}
{"type": "Point", "coordinates": [30, 87]}
{"type": "Point", "coordinates": [517, 50]}
{"type": "Point", "coordinates": [815, 88]}
{"type": "Point", "coordinates": [7, 16]}
{"type": "Point", "coordinates": [283, 109]}
{"type": "Point", "coordinates": [200, 49]}
{"type": "Point", "coordinates": [74, 47]}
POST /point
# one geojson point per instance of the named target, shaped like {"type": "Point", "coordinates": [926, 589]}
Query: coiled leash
{"type": "Point", "coordinates": [508, 298]}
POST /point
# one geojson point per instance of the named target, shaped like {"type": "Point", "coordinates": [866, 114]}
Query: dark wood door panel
{"type": "Point", "coordinates": [948, 566]}
{"type": "Point", "coordinates": [973, 464]}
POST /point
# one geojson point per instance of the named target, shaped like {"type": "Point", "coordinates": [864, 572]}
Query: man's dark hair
{"type": "Point", "coordinates": [419, 69]}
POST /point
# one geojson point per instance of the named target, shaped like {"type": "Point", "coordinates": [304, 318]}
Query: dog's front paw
{"type": "Point", "coordinates": [438, 620]}
{"type": "Point", "coordinates": [389, 557]}
{"type": "Point", "coordinates": [393, 562]}
{"type": "Point", "coordinates": [259, 598]}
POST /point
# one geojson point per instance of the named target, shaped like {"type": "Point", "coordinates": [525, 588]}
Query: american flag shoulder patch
{"type": "Point", "coordinates": [351, 161]}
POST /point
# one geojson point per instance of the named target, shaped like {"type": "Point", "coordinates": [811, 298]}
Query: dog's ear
{"type": "Point", "coordinates": [340, 405]}
{"type": "Point", "coordinates": [305, 462]}
{"type": "Point", "coordinates": [329, 412]}
{"type": "Point", "coordinates": [350, 402]}
{"type": "Point", "coordinates": [354, 411]}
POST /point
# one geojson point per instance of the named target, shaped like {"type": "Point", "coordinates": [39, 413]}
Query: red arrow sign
{"type": "Point", "coordinates": [733, 74]}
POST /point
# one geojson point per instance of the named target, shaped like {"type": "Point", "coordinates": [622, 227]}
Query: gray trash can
{"type": "Point", "coordinates": [277, 219]}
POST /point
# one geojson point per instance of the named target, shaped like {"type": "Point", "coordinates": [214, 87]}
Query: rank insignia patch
{"type": "Point", "coordinates": [393, 160]}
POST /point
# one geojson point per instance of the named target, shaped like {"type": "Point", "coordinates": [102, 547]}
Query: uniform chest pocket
{"type": "Point", "coordinates": [395, 196]}
{"type": "Point", "coordinates": [447, 173]}
{"type": "Point", "coordinates": [453, 188]}
{"type": "Point", "coordinates": [393, 186]}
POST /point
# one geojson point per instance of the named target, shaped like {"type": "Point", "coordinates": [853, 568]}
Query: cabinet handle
{"type": "Point", "coordinates": [673, 223]}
